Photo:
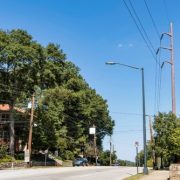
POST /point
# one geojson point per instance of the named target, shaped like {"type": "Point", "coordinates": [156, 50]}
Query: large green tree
{"type": "Point", "coordinates": [167, 133]}
{"type": "Point", "coordinates": [66, 107]}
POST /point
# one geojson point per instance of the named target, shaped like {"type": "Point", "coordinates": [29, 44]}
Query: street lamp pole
{"type": "Point", "coordinates": [145, 170]}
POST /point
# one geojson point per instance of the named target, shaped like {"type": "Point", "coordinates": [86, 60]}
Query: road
{"type": "Point", "coordinates": [69, 173]}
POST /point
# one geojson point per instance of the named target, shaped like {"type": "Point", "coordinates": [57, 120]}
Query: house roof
{"type": "Point", "coordinates": [4, 107]}
{"type": "Point", "coordinates": [7, 107]}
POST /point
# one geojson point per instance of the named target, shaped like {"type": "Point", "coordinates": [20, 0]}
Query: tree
{"type": "Point", "coordinates": [66, 106]}
{"type": "Point", "coordinates": [166, 127]}
{"type": "Point", "coordinates": [105, 157]}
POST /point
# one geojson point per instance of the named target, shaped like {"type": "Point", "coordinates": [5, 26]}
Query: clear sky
{"type": "Point", "coordinates": [92, 32]}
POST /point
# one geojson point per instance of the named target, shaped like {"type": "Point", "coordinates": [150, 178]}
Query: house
{"type": "Point", "coordinates": [13, 127]}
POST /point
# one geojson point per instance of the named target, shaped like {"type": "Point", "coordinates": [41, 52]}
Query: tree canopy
{"type": "Point", "coordinates": [167, 134]}
{"type": "Point", "coordinates": [66, 107]}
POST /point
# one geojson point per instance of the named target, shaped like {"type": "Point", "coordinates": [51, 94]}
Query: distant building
{"type": "Point", "coordinates": [18, 127]}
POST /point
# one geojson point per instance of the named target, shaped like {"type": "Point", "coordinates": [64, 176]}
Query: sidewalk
{"type": "Point", "coordinates": [156, 175]}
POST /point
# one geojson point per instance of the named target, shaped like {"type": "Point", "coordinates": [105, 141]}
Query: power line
{"type": "Point", "coordinates": [155, 89]}
{"type": "Point", "coordinates": [145, 33]}
{"type": "Point", "coordinates": [128, 131]}
{"type": "Point", "coordinates": [157, 81]}
{"type": "Point", "coordinates": [142, 35]}
{"type": "Point", "coordinates": [128, 113]}
{"type": "Point", "coordinates": [160, 81]}
{"type": "Point", "coordinates": [152, 19]}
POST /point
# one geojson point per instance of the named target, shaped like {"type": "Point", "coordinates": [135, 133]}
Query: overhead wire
{"type": "Point", "coordinates": [158, 76]}
{"type": "Point", "coordinates": [129, 113]}
{"type": "Point", "coordinates": [129, 131]}
{"type": "Point", "coordinates": [159, 81]}
{"type": "Point", "coordinates": [142, 27]}
{"type": "Point", "coordinates": [152, 19]}
{"type": "Point", "coordinates": [142, 35]}
{"type": "Point", "coordinates": [155, 88]}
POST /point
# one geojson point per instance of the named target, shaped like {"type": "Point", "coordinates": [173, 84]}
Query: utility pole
{"type": "Point", "coordinates": [12, 132]}
{"type": "Point", "coordinates": [31, 128]}
{"type": "Point", "coordinates": [95, 146]}
{"type": "Point", "coordinates": [171, 62]}
{"type": "Point", "coordinates": [172, 69]}
{"type": "Point", "coordinates": [110, 158]}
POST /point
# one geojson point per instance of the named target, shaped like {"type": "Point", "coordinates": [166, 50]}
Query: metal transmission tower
{"type": "Point", "coordinates": [171, 62]}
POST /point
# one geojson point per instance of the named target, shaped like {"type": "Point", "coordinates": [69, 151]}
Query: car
{"type": "Point", "coordinates": [115, 164]}
{"type": "Point", "coordinates": [80, 162]}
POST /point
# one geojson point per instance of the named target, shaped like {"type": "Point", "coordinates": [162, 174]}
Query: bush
{"type": "Point", "coordinates": [68, 155]}
{"type": "Point", "coordinates": [7, 158]}
{"type": "Point", "coordinates": [150, 163]}
{"type": "Point", "coordinates": [19, 156]}
{"type": "Point", "coordinates": [3, 151]}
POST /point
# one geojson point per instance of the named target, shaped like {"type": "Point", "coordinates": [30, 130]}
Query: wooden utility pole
{"type": "Point", "coordinates": [110, 157]}
{"type": "Point", "coordinates": [12, 132]}
{"type": "Point", "coordinates": [31, 127]}
{"type": "Point", "coordinates": [95, 146]}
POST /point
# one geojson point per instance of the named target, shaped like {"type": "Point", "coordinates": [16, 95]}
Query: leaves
{"type": "Point", "coordinates": [67, 106]}
{"type": "Point", "coordinates": [167, 133]}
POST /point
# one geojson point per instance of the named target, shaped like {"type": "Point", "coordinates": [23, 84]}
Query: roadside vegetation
{"type": "Point", "coordinates": [164, 148]}
{"type": "Point", "coordinates": [65, 105]}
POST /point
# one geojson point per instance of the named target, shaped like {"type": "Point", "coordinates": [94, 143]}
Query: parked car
{"type": "Point", "coordinates": [115, 164]}
{"type": "Point", "coordinates": [80, 162]}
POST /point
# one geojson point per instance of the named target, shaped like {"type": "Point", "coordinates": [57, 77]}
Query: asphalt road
{"type": "Point", "coordinates": [69, 173]}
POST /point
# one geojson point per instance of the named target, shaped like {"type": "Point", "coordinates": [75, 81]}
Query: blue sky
{"type": "Point", "coordinates": [92, 32]}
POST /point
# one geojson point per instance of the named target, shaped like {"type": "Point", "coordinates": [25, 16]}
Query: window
{"type": "Point", "coordinates": [4, 134]}
{"type": "Point", "coordinates": [4, 117]}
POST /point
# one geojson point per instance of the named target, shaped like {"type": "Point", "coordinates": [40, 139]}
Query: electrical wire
{"type": "Point", "coordinates": [128, 131]}
{"type": "Point", "coordinates": [152, 19]}
{"type": "Point", "coordinates": [131, 114]}
{"type": "Point", "coordinates": [142, 35]}
{"type": "Point", "coordinates": [155, 89]}
{"type": "Point", "coordinates": [145, 33]}
{"type": "Point", "coordinates": [159, 81]}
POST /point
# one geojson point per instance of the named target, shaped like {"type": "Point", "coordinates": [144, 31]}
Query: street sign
{"type": "Point", "coordinates": [92, 130]}
{"type": "Point", "coordinates": [136, 143]}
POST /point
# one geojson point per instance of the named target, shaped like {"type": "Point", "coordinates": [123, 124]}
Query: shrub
{"type": "Point", "coordinates": [3, 151]}
{"type": "Point", "coordinates": [7, 158]}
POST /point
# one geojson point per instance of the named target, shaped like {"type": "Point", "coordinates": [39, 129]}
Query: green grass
{"type": "Point", "coordinates": [134, 177]}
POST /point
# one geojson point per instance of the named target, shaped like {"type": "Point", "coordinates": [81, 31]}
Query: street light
{"type": "Point", "coordinates": [145, 170]}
